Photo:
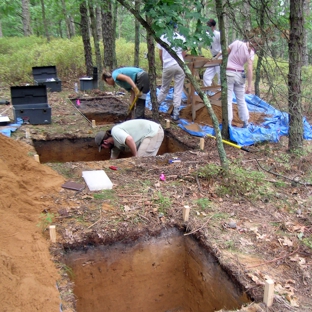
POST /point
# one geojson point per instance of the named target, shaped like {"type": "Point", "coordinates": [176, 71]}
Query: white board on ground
{"type": "Point", "coordinates": [97, 180]}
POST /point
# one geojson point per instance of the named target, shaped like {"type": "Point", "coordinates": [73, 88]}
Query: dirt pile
{"type": "Point", "coordinates": [202, 116]}
{"type": "Point", "coordinates": [28, 276]}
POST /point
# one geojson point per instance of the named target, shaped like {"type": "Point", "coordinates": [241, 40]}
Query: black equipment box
{"type": "Point", "coordinates": [89, 83]}
{"type": "Point", "coordinates": [30, 103]}
{"type": "Point", "coordinates": [46, 75]}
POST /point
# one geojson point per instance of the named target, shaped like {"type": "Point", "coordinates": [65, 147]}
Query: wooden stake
{"type": "Point", "coordinates": [27, 134]}
{"type": "Point", "coordinates": [268, 292]}
{"type": "Point", "coordinates": [201, 143]}
{"type": "Point", "coordinates": [167, 123]}
{"type": "Point", "coordinates": [93, 124]}
{"type": "Point", "coordinates": [52, 233]}
{"type": "Point", "coordinates": [37, 158]}
{"type": "Point", "coordinates": [186, 213]}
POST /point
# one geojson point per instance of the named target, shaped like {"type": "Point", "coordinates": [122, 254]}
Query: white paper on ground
{"type": "Point", "coordinates": [97, 180]}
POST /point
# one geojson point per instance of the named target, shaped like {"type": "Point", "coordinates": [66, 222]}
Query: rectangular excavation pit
{"type": "Point", "coordinates": [104, 109]}
{"type": "Point", "coordinates": [155, 274]}
{"type": "Point", "coordinates": [85, 149]}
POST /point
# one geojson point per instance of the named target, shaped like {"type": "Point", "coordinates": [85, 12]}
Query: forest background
{"type": "Point", "coordinates": [76, 35]}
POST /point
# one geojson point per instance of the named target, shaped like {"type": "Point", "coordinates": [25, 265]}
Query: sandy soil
{"type": "Point", "coordinates": [28, 276]}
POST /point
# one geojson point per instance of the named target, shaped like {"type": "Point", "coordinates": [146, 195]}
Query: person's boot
{"type": "Point", "coordinates": [175, 114]}
{"type": "Point", "coordinates": [245, 124]}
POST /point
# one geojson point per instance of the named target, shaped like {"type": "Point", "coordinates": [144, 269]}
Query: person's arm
{"type": "Point", "coordinates": [134, 89]}
{"type": "Point", "coordinates": [126, 79]}
{"type": "Point", "coordinates": [220, 53]}
{"type": "Point", "coordinates": [249, 76]}
{"type": "Point", "coordinates": [131, 144]}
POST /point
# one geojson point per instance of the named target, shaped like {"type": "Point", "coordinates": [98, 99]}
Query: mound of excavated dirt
{"type": "Point", "coordinates": [28, 276]}
{"type": "Point", "coordinates": [202, 116]}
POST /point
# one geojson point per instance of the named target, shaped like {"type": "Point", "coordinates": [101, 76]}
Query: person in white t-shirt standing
{"type": "Point", "coordinates": [215, 48]}
{"type": "Point", "coordinates": [172, 70]}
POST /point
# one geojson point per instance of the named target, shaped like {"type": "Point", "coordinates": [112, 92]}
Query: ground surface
{"type": "Point", "coordinates": [258, 227]}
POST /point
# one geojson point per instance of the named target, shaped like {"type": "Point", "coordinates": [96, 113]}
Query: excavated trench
{"type": "Point", "coordinates": [85, 149]}
{"type": "Point", "coordinates": [171, 272]}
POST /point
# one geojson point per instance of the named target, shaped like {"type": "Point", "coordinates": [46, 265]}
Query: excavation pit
{"type": "Point", "coordinates": [103, 110]}
{"type": "Point", "coordinates": [84, 149]}
{"type": "Point", "coordinates": [171, 272]}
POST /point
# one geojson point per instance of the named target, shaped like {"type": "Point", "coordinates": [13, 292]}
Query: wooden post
{"type": "Point", "coordinates": [186, 213]}
{"type": "Point", "coordinates": [201, 143]}
{"type": "Point", "coordinates": [93, 124]}
{"type": "Point", "coordinates": [27, 135]}
{"type": "Point", "coordinates": [268, 292]}
{"type": "Point", "coordinates": [52, 233]}
{"type": "Point", "coordinates": [167, 123]}
{"type": "Point", "coordinates": [37, 158]}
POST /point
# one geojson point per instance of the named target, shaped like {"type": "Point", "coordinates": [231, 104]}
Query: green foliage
{"type": "Point", "coordinates": [237, 181]}
{"type": "Point", "coordinates": [125, 54]}
{"type": "Point", "coordinates": [188, 17]}
{"type": "Point", "coordinates": [203, 203]}
{"type": "Point", "coordinates": [46, 219]}
{"type": "Point", "coordinates": [21, 54]}
{"type": "Point", "coordinates": [163, 202]}
{"type": "Point", "coordinates": [307, 241]}
{"type": "Point", "coordinates": [105, 195]}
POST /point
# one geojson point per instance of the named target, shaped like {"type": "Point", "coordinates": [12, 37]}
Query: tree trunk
{"type": "Point", "coordinates": [72, 27]}
{"type": "Point", "coordinates": [114, 14]}
{"type": "Point", "coordinates": [221, 22]}
{"type": "Point", "coordinates": [26, 18]}
{"type": "Point", "coordinates": [45, 22]}
{"type": "Point", "coordinates": [1, 34]}
{"type": "Point", "coordinates": [86, 38]}
{"type": "Point", "coordinates": [95, 41]}
{"type": "Point", "coordinates": [306, 32]}
{"type": "Point", "coordinates": [107, 32]}
{"type": "Point", "coordinates": [152, 72]}
{"type": "Point", "coordinates": [262, 10]}
{"type": "Point", "coordinates": [294, 77]}
{"type": "Point", "coordinates": [247, 16]}
{"type": "Point", "coordinates": [137, 37]}
{"type": "Point", "coordinates": [67, 20]}
{"type": "Point", "coordinates": [98, 15]}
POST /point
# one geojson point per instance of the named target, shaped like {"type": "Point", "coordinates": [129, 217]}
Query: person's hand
{"type": "Point", "coordinates": [248, 91]}
{"type": "Point", "coordinates": [137, 92]}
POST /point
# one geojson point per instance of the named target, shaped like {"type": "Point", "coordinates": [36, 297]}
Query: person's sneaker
{"type": "Point", "coordinates": [175, 114]}
{"type": "Point", "coordinates": [245, 124]}
{"type": "Point", "coordinates": [175, 117]}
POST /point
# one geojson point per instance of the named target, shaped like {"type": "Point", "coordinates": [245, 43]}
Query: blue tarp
{"type": "Point", "coordinates": [8, 129]}
{"type": "Point", "coordinates": [275, 124]}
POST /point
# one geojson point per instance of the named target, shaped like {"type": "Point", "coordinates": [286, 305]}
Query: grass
{"type": "Point", "coordinates": [163, 202]}
{"type": "Point", "coordinates": [46, 219]}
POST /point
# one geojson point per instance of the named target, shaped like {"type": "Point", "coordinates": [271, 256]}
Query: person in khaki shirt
{"type": "Point", "coordinates": [141, 137]}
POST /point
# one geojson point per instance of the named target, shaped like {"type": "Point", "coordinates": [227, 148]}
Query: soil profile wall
{"type": "Point", "coordinates": [168, 273]}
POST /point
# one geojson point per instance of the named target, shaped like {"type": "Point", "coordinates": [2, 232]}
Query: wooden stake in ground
{"type": "Point", "coordinates": [52, 233]}
{"type": "Point", "coordinates": [93, 124]}
{"type": "Point", "coordinates": [167, 123]}
{"type": "Point", "coordinates": [37, 158]}
{"type": "Point", "coordinates": [201, 143]}
{"type": "Point", "coordinates": [186, 213]}
{"type": "Point", "coordinates": [268, 292]}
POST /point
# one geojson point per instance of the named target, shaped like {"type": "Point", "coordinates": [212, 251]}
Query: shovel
{"type": "Point", "coordinates": [230, 143]}
{"type": "Point", "coordinates": [132, 105]}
